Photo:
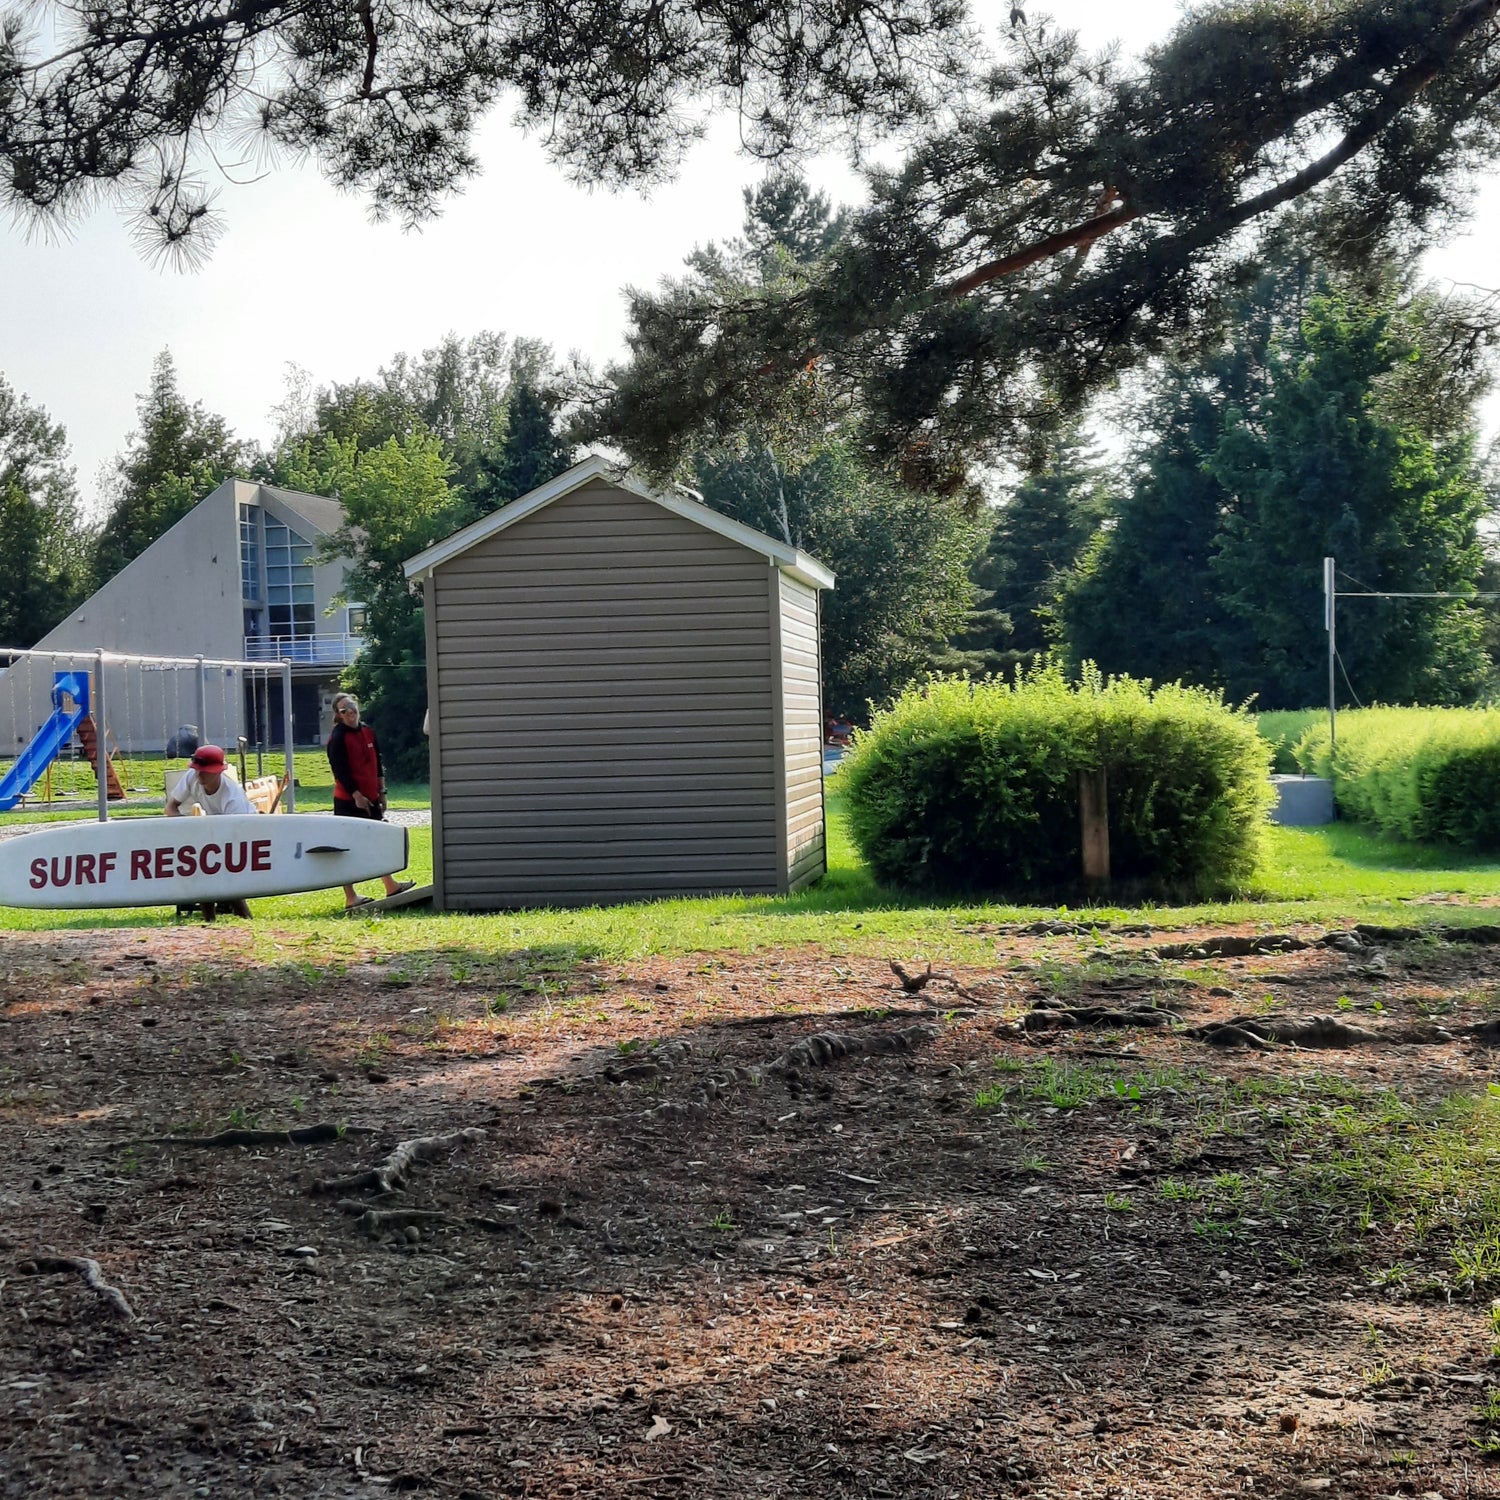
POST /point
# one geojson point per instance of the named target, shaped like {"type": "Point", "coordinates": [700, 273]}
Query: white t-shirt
{"type": "Point", "coordinates": [230, 797]}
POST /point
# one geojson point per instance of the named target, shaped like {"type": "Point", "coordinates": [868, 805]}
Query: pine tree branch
{"type": "Point", "coordinates": [1080, 235]}
{"type": "Point", "coordinates": [1395, 98]}
{"type": "Point", "coordinates": [367, 18]}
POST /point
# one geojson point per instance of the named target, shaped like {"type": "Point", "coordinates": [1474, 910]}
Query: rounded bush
{"type": "Point", "coordinates": [974, 786]}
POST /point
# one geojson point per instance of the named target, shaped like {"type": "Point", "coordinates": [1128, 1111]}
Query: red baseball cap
{"type": "Point", "coordinates": [208, 758]}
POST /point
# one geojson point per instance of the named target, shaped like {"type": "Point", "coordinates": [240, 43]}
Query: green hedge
{"type": "Point", "coordinates": [1431, 774]}
{"type": "Point", "coordinates": [1281, 731]}
{"type": "Point", "coordinates": [964, 786]}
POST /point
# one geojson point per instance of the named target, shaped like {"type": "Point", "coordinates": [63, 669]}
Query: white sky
{"type": "Point", "coordinates": [301, 277]}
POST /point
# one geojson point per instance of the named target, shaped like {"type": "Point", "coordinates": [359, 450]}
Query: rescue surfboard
{"type": "Point", "coordinates": [182, 861]}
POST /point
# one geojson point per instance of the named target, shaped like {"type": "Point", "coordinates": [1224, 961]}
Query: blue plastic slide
{"type": "Point", "coordinates": [50, 740]}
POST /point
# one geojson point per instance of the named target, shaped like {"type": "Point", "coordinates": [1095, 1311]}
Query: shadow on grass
{"type": "Point", "coordinates": [1356, 845]}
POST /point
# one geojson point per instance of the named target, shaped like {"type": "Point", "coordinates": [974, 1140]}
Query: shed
{"type": "Point", "coordinates": [625, 701]}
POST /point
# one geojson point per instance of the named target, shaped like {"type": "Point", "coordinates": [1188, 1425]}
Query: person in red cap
{"type": "Point", "coordinates": [206, 784]}
{"type": "Point", "coordinates": [358, 782]}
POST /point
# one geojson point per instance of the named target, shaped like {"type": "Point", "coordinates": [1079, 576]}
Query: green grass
{"type": "Point", "coordinates": [1329, 876]}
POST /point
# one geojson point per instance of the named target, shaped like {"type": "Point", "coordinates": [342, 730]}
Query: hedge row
{"type": "Point", "coordinates": [1431, 774]}
{"type": "Point", "coordinates": [1281, 730]}
{"type": "Point", "coordinates": [964, 786]}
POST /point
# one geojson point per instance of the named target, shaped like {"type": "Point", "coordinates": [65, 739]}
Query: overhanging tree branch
{"type": "Point", "coordinates": [1395, 97]}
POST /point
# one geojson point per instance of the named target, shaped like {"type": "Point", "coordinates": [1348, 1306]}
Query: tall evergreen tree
{"type": "Point", "coordinates": [1039, 532]}
{"type": "Point", "coordinates": [533, 450]}
{"type": "Point", "coordinates": [177, 455]}
{"type": "Point", "coordinates": [1326, 468]}
{"type": "Point", "coordinates": [43, 539]}
{"type": "Point", "coordinates": [1336, 423]}
{"type": "Point", "coordinates": [1142, 598]}
{"type": "Point", "coordinates": [462, 392]}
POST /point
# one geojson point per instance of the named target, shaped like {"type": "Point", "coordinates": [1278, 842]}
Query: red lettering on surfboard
{"type": "Point", "coordinates": [203, 858]}
{"type": "Point", "coordinates": [83, 872]}
{"type": "Point", "coordinates": [38, 879]}
{"type": "Point", "coordinates": [107, 862]}
{"type": "Point", "coordinates": [260, 854]}
{"type": "Point", "coordinates": [161, 866]}
{"type": "Point", "coordinates": [140, 864]}
{"type": "Point", "coordinates": [187, 860]}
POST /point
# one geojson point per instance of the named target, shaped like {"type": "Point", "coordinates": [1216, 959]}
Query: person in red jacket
{"type": "Point", "coordinates": [358, 781]}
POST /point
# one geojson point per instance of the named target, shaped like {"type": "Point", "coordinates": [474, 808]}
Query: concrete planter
{"type": "Point", "coordinates": [1302, 801]}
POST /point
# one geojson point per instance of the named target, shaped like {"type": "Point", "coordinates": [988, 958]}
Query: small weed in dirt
{"type": "Point", "coordinates": [1118, 1203]}
{"type": "Point", "coordinates": [374, 1047]}
{"type": "Point", "coordinates": [1066, 1085]}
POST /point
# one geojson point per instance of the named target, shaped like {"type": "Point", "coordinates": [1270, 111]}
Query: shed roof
{"type": "Point", "coordinates": [789, 559]}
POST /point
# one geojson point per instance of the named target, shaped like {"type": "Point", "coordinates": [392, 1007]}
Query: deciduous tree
{"type": "Point", "coordinates": [901, 561]}
{"type": "Point", "coordinates": [43, 539]}
{"type": "Point", "coordinates": [397, 500]}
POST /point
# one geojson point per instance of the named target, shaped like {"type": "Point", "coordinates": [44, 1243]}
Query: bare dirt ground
{"type": "Point", "coordinates": [686, 1258]}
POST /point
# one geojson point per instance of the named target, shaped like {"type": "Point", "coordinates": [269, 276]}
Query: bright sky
{"type": "Point", "coordinates": [302, 278]}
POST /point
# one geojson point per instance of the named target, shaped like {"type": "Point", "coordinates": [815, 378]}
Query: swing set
{"type": "Point", "coordinates": [59, 754]}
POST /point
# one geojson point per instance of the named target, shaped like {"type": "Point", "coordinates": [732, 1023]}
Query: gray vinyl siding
{"type": "Point", "coordinates": [802, 733]}
{"type": "Point", "coordinates": [603, 678]}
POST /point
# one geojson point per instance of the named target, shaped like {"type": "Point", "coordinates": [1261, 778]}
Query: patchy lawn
{"type": "Point", "coordinates": [742, 1223]}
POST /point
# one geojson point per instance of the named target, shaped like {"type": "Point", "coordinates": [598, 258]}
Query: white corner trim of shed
{"type": "Point", "coordinates": [625, 700]}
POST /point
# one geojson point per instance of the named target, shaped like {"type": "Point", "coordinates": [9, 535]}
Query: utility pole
{"type": "Point", "coordinates": [1330, 607]}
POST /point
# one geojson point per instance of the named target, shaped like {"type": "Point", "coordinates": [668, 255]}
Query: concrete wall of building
{"type": "Point", "coordinates": [180, 598]}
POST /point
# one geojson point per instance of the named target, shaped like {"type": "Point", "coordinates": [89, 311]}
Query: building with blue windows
{"type": "Point", "coordinates": [241, 577]}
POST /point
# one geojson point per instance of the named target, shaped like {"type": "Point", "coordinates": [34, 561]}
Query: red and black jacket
{"type": "Point", "coordinates": [354, 756]}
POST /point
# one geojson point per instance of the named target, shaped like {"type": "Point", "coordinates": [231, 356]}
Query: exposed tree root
{"type": "Point", "coordinates": [1060, 1017]}
{"type": "Point", "coordinates": [377, 1221]}
{"type": "Point", "coordinates": [914, 983]}
{"type": "Point", "coordinates": [1256, 1033]}
{"type": "Point", "coordinates": [93, 1278]}
{"type": "Point", "coordinates": [1485, 935]}
{"type": "Point", "coordinates": [1306, 1031]}
{"type": "Point", "coordinates": [307, 1135]}
{"type": "Point", "coordinates": [391, 1174]}
{"type": "Point", "coordinates": [1233, 946]}
{"type": "Point", "coordinates": [828, 1046]}
{"type": "Point", "coordinates": [1364, 935]}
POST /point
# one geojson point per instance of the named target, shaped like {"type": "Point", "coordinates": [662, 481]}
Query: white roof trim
{"type": "Point", "coordinates": [788, 559]}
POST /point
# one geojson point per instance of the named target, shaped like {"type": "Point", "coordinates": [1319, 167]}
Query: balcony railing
{"type": "Point", "coordinates": [327, 650]}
